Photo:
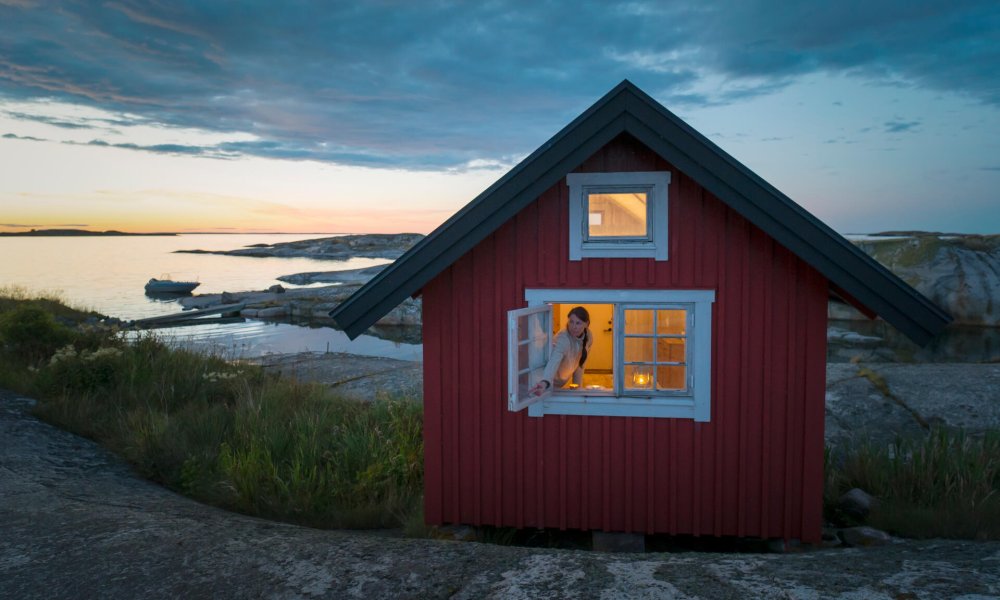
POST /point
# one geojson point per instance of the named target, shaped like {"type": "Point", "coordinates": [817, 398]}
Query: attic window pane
{"type": "Point", "coordinates": [617, 215]}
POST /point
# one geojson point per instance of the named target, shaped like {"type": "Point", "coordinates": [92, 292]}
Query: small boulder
{"type": "Point", "coordinates": [857, 504]}
{"type": "Point", "coordinates": [272, 312]}
{"type": "Point", "coordinates": [457, 533]}
{"type": "Point", "coordinates": [864, 536]}
{"type": "Point", "coordinates": [276, 289]}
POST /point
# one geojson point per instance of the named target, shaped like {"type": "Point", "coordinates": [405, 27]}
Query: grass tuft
{"type": "Point", "coordinates": [944, 485]}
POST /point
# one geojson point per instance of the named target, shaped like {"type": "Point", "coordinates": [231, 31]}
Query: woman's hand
{"type": "Point", "coordinates": [540, 388]}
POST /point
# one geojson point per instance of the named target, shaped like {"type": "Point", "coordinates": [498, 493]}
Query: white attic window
{"type": "Point", "coordinates": [618, 215]}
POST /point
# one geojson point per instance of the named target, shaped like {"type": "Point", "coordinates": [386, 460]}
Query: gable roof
{"type": "Point", "coordinates": [627, 109]}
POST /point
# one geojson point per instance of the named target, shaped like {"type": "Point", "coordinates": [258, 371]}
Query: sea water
{"type": "Point", "coordinates": [107, 274]}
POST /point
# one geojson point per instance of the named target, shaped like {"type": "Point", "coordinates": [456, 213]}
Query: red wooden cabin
{"type": "Point", "coordinates": [701, 411]}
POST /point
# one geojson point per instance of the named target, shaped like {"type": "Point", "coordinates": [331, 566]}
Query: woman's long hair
{"type": "Point", "coordinates": [581, 313]}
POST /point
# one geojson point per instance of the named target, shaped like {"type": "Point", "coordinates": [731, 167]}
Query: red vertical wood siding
{"type": "Point", "coordinates": [754, 470]}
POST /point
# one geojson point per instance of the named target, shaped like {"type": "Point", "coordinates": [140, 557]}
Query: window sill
{"type": "Point", "coordinates": [643, 249]}
{"type": "Point", "coordinates": [681, 407]}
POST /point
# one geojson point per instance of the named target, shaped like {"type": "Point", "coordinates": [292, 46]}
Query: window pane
{"type": "Point", "coordinates": [537, 348]}
{"type": "Point", "coordinates": [639, 322]}
{"type": "Point", "coordinates": [523, 385]}
{"type": "Point", "coordinates": [670, 349]}
{"type": "Point", "coordinates": [671, 322]}
{"type": "Point", "coordinates": [638, 377]}
{"type": "Point", "coordinates": [617, 215]}
{"type": "Point", "coordinates": [670, 378]}
{"type": "Point", "coordinates": [639, 350]}
{"type": "Point", "coordinates": [522, 328]}
{"type": "Point", "coordinates": [522, 355]}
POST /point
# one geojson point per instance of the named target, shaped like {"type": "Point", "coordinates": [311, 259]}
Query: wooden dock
{"type": "Point", "coordinates": [228, 313]}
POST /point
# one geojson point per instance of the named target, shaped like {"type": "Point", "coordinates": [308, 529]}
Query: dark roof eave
{"type": "Point", "coordinates": [789, 224]}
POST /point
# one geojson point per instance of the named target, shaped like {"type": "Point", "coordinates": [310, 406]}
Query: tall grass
{"type": "Point", "coordinates": [227, 434]}
{"type": "Point", "coordinates": [944, 485]}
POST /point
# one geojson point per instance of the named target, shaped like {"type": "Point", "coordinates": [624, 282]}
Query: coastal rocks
{"type": "Point", "coordinates": [271, 312]}
{"type": "Point", "coordinates": [347, 276]}
{"type": "Point", "coordinates": [856, 504]}
{"type": "Point", "coordinates": [878, 404]}
{"type": "Point", "coordinates": [960, 273]}
{"type": "Point", "coordinates": [864, 536]}
{"type": "Point", "coordinates": [858, 412]}
{"type": "Point", "coordinates": [362, 378]}
{"type": "Point", "coordinates": [143, 540]}
{"type": "Point", "coordinates": [313, 303]}
{"type": "Point", "coordinates": [373, 245]}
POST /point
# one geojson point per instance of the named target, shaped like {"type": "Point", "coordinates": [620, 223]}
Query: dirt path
{"type": "Point", "coordinates": [76, 523]}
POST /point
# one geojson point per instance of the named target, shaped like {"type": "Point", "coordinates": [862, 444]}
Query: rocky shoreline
{"type": "Point", "coordinates": [961, 273]}
{"type": "Point", "coordinates": [314, 303]}
{"type": "Point", "coordinates": [370, 245]}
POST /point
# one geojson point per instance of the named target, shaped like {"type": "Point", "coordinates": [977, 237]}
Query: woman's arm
{"type": "Point", "coordinates": [552, 367]}
{"type": "Point", "coordinates": [555, 359]}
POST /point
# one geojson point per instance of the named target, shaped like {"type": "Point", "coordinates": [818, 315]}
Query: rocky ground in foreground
{"type": "Point", "coordinates": [76, 523]}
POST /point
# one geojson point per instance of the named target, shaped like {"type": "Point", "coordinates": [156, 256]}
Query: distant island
{"type": "Point", "coordinates": [72, 232]}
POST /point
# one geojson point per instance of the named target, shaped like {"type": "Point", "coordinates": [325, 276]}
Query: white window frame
{"type": "Point", "coordinates": [692, 403]}
{"type": "Point", "coordinates": [652, 245]}
{"type": "Point", "coordinates": [515, 399]}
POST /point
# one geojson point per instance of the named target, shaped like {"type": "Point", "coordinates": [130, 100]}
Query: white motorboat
{"type": "Point", "coordinates": [169, 286]}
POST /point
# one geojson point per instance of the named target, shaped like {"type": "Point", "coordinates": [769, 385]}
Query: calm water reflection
{"type": "Point", "coordinates": [956, 344]}
{"type": "Point", "coordinates": [257, 338]}
{"type": "Point", "coordinates": [107, 274]}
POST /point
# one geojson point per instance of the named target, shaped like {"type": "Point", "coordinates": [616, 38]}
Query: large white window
{"type": "Point", "coordinates": [618, 215]}
{"type": "Point", "coordinates": [651, 354]}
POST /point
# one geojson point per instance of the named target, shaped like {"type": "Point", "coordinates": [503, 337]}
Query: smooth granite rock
{"type": "Point", "coordinates": [75, 522]}
{"type": "Point", "coordinates": [960, 273]}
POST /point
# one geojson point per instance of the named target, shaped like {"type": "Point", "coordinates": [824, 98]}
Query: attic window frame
{"type": "Point", "coordinates": [653, 245]}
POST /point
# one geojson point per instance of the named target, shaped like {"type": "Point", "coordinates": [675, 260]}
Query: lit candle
{"type": "Point", "coordinates": [640, 378]}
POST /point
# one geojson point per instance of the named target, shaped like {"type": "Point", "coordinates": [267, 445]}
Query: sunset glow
{"type": "Point", "coordinates": [181, 118]}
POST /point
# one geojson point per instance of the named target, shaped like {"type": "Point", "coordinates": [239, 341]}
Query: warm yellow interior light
{"type": "Point", "coordinates": [640, 378]}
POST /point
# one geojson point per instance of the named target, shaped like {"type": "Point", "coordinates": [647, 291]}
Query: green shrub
{"type": "Point", "coordinates": [232, 435]}
{"type": "Point", "coordinates": [31, 334]}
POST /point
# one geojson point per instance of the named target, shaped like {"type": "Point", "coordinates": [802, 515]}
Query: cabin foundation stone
{"type": "Point", "coordinates": [604, 541]}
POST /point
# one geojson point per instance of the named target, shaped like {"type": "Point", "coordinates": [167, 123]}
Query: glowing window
{"type": "Point", "coordinates": [623, 215]}
{"type": "Point", "coordinates": [618, 215]}
{"type": "Point", "coordinates": [651, 353]}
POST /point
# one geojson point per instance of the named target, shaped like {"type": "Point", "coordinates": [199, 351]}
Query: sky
{"type": "Point", "coordinates": [263, 116]}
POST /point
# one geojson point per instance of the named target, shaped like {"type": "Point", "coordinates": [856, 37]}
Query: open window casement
{"type": "Point", "coordinates": [661, 363]}
{"type": "Point", "coordinates": [529, 338]}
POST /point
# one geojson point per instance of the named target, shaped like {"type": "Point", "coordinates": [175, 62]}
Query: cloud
{"type": "Point", "coordinates": [14, 136]}
{"type": "Point", "coordinates": [48, 120]}
{"type": "Point", "coordinates": [900, 126]}
{"type": "Point", "coordinates": [417, 85]}
{"type": "Point", "coordinates": [997, 168]}
{"type": "Point", "coordinates": [159, 148]}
